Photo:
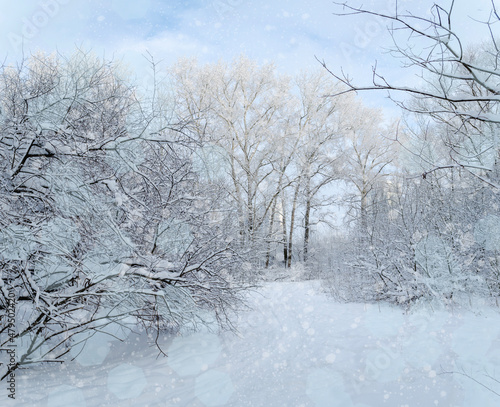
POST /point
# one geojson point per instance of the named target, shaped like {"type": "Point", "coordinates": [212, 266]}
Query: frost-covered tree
{"type": "Point", "coordinates": [237, 107]}
{"type": "Point", "coordinates": [430, 242]}
{"type": "Point", "coordinates": [104, 221]}
{"type": "Point", "coordinates": [317, 127]}
{"type": "Point", "coordinates": [278, 141]}
{"type": "Point", "coordinates": [369, 152]}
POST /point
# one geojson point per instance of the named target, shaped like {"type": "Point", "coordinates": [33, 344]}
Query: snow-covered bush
{"type": "Point", "coordinates": [431, 239]}
{"type": "Point", "coordinates": [102, 217]}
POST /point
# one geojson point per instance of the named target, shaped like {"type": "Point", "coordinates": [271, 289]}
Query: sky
{"type": "Point", "coordinates": [289, 33]}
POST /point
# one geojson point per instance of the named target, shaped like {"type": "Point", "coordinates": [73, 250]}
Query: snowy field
{"type": "Point", "coordinates": [296, 348]}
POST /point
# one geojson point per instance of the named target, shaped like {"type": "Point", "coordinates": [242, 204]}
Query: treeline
{"type": "Point", "coordinates": [123, 206]}
{"type": "Point", "coordinates": [282, 146]}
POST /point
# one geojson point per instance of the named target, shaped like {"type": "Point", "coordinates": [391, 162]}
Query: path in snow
{"type": "Point", "coordinates": [296, 348]}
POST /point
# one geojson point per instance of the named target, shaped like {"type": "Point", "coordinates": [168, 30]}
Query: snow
{"type": "Point", "coordinates": [126, 381]}
{"type": "Point", "coordinates": [214, 388]}
{"type": "Point", "coordinates": [296, 347]}
{"type": "Point", "coordinates": [487, 232]}
{"type": "Point", "coordinates": [93, 351]}
{"type": "Point", "coordinates": [64, 396]}
{"type": "Point", "coordinates": [188, 355]}
{"type": "Point", "coordinates": [61, 235]}
{"type": "Point", "coordinates": [16, 242]}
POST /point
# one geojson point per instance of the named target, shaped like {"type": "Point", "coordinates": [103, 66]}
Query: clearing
{"type": "Point", "coordinates": [297, 347]}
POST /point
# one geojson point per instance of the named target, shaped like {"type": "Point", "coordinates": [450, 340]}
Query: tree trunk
{"type": "Point", "coordinates": [364, 216]}
{"type": "Point", "coordinates": [307, 227]}
{"type": "Point", "coordinates": [285, 233]}
{"type": "Point", "coordinates": [239, 202]}
{"type": "Point", "coordinates": [270, 233]}
{"type": "Point", "coordinates": [292, 224]}
{"type": "Point", "coordinates": [250, 211]}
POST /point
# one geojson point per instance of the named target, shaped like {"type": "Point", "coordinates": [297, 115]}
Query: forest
{"type": "Point", "coordinates": [160, 207]}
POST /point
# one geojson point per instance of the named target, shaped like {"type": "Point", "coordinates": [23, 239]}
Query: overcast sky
{"type": "Point", "coordinates": [288, 32]}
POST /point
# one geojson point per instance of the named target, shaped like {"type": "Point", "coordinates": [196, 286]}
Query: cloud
{"type": "Point", "coordinates": [41, 25]}
{"type": "Point", "coordinates": [288, 32]}
{"type": "Point", "coordinates": [166, 44]}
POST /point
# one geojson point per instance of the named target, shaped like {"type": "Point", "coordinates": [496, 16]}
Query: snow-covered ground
{"type": "Point", "coordinates": [296, 348]}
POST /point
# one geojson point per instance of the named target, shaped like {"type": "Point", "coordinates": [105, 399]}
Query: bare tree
{"type": "Point", "coordinates": [460, 86]}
